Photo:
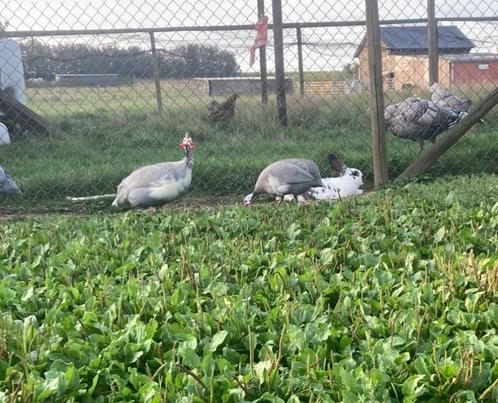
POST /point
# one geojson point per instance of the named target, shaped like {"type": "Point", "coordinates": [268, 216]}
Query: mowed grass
{"type": "Point", "coordinates": [385, 298]}
{"type": "Point", "coordinates": [106, 133]}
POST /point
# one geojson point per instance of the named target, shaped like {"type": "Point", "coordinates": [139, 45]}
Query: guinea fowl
{"type": "Point", "coordinates": [159, 183]}
{"type": "Point", "coordinates": [442, 97]}
{"type": "Point", "coordinates": [7, 185]}
{"type": "Point", "coordinates": [420, 119]}
{"type": "Point", "coordinates": [293, 176]}
{"type": "Point", "coordinates": [223, 111]}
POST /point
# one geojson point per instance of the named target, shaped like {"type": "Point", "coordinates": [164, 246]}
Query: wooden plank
{"type": "Point", "coordinates": [156, 72]}
{"type": "Point", "coordinates": [20, 114]}
{"type": "Point", "coordinates": [300, 60]}
{"type": "Point", "coordinates": [376, 95]}
{"type": "Point", "coordinates": [278, 39]}
{"type": "Point", "coordinates": [448, 139]}
{"type": "Point", "coordinates": [207, 28]}
{"type": "Point", "coordinates": [326, 87]}
{"type": "Point", "coordinates": [262, 60]}
{"type": "Point", "coordinates": [432, 42]}
{"type": "Point", "coordinates": [244, 27]}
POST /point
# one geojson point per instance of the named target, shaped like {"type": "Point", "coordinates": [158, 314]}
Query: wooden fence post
{"type": "Point", "coordinates": [278, 39]}
{"type": "Point", "coordinates": [156, 73]}
{"type": "Point", "coordinates": [432, 42]}
{"type": "Point", "coordinates": [262, 59]}
{"type": "Point", "coordinates": [300, 60]}
{"type": "Point", "coordinates": [378, 125]}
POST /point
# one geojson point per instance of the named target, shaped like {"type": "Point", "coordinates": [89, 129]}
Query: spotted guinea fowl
{"type": "Point", "coordinates": [420, 119]}
{"type": "Point", "coordinates": [7, 185]}
{"type": "Point", "coordinates": [223, 111]}
{"type": "Point", "coordinates": [442, 97]}
{"type": "Point", "coordinates": [293, 176]}
{"type": "Point", "coordinates": [159, 183]}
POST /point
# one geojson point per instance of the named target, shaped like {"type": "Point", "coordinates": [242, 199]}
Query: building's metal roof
{"type": "Point", "coordinates": [472, 58]}
{"type": "Point", "coordinates": [413, 40]}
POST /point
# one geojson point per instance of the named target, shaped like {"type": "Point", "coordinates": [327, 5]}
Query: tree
{"type": "Point", "coordinates": [37, 59]}
{"type": "Point", "coordinates": [41, 60]}
{"type": "Point", "coordinates": [190, 61]}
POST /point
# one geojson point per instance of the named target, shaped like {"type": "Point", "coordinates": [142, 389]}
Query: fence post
{"type": "Point", "coordinates": [262, 59]}
{"type": "Point", "coordinates": [432, 42]}
{"type": "Point", "coordinates": [156, 72]}
{"type": "Point", "coordinates": [378, 125]}
{"type": "Point", "coordinates": [300, 60]}
{"type": "Point", "coordinates": [278, 39]}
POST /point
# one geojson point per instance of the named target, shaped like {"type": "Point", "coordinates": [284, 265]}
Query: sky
{"type": "Point", "coordinates": [326, 48]}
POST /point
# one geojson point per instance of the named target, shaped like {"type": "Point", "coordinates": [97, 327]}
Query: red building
{"type": "Point", "coordinates": [472, 68]}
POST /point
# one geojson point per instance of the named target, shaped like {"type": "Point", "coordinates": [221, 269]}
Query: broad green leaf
{"type": "Point", "coordinates": [217, 340]}
{"type": "Point", "coordinates": [438, 237]}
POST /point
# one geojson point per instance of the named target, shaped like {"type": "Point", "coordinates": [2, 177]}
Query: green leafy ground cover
{"type": "Point", "coordinates": [390, 297]}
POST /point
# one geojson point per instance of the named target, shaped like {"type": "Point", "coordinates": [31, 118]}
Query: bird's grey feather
{"type": "Point", "coordinates": [7, 185]}
{"type": "Point", "coordinates": [290, 176]}
{"type": "Point", "coordinates": [444, 98]}
{"type": "Point", "coordinates": [419, 119]}
{"type": "Point", "coordinates": [147, 186]}
{"type": "Point", "coordinates": [147, 175]}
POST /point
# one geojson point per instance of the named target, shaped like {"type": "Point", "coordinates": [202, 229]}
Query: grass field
{"type": "Point", "coordinates": [105, 133]}
{"type": "Point", "coordinates": [385, 298]}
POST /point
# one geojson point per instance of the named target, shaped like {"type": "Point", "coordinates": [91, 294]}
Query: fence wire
{"type": "Point", "coordinates": [119, 82]}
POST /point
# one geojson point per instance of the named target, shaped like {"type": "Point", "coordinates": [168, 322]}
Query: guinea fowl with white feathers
{"type": "Point", "coordinates": [8, 186]}
{"type": "Point", "coordinates": [156, 184]}
{"type": "Point", "coordinates": [293, 176]}
{"type": "Point", "coordinates": [419, 119]}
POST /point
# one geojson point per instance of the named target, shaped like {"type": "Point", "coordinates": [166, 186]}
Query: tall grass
{"type": "Point", "coordinates": [98, 143]}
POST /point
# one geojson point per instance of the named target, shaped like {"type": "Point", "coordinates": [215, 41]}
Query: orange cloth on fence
{"type": "Point", "coordinates": [261, 29]}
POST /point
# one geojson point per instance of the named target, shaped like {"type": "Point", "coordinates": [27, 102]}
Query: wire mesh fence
{"type": "Point", "coordinates": [119, 83]}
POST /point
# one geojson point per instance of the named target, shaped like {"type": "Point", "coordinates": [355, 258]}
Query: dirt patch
{"type": "Point", "coordinates": [103, 206]}
{"type": "Point", "coordinates": [96, 207]}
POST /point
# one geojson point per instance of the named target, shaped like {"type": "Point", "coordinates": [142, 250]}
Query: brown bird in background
{"type": "Point", "coordinates": [224, 111]}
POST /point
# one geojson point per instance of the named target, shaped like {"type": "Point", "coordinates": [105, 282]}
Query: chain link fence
{"type": "Point", "coordinates": [119, 82]}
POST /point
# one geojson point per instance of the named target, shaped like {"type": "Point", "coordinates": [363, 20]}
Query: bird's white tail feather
{"type": "Point", "coordinates": [106, 196]}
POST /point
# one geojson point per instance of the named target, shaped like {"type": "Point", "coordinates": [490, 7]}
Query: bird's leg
{"type": "Point", "coordinates": [421, 147]}
{"type": "Point", "coordinates": [306, 198]}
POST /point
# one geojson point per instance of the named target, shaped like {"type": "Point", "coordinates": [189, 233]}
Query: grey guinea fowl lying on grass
{"type": "Point", "coordinates": [442, 97]}
{"type": "Point", "coordinates": [159, 183]}
{"type": "Point", "coordinates": [293, 176]}
{"type": "Point", "coordinates": [420, 119]}
{"type": "Point", "coordinates": [7, 185]}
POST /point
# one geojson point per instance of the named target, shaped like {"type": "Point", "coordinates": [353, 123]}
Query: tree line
{"type": "Point", "coordinates": [185, 61]}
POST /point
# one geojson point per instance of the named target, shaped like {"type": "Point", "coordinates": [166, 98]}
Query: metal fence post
{"type": "Point", "coordinates": [278, 39]}
{"type": "Point", "coordinates": [300, 60]}
{"type": "Point", "coordinates": [156, 72]}
{"type": "Point", "coordinates": [376, 95]}
{"type": "Point", "coordinates": [262, 59]}
{"type": "Point", "coordinates": [432, 42]}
